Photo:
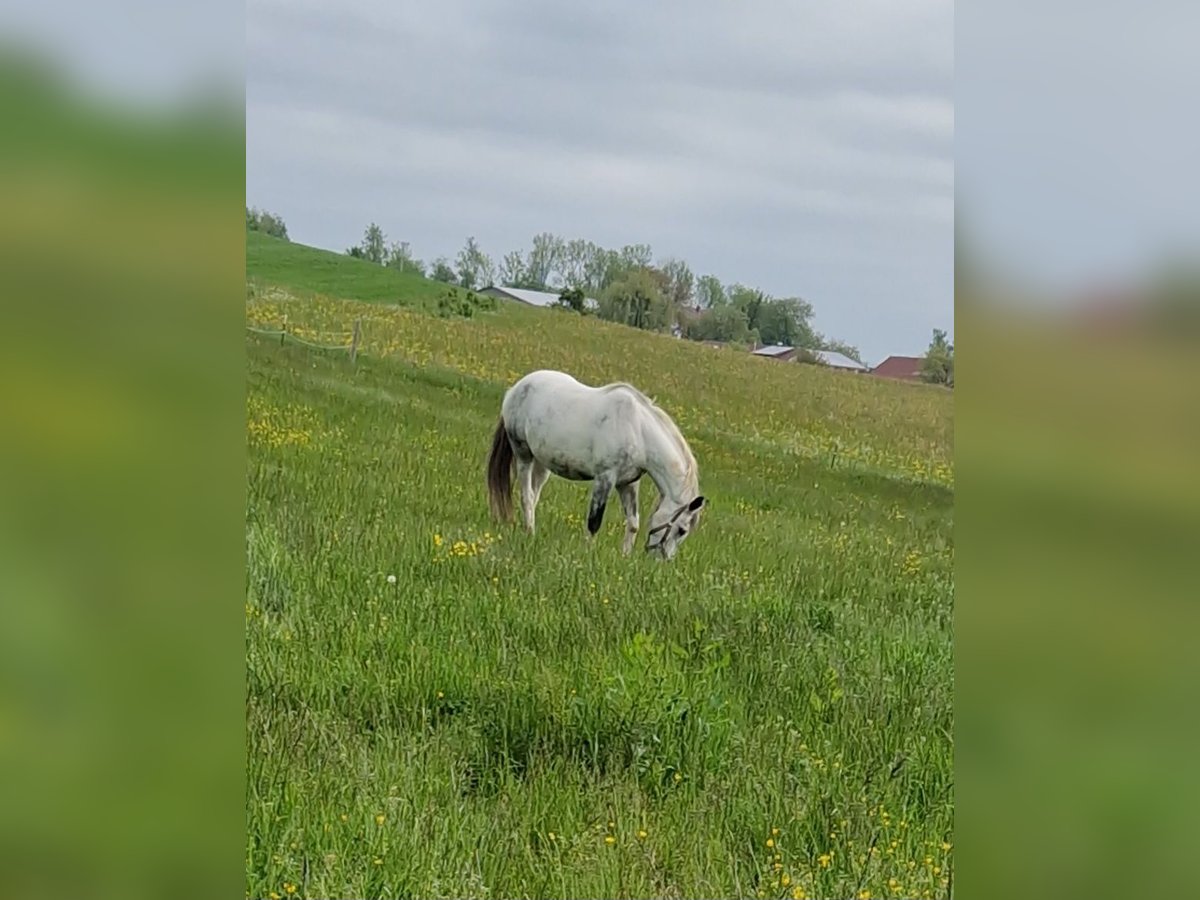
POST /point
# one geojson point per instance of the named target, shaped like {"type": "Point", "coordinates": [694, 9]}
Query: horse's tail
{"type": "Point", "coordinates": [499, 474]}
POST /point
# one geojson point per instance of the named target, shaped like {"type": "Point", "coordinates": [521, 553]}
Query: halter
{"type": "Point", "coordinates": [663, 526]}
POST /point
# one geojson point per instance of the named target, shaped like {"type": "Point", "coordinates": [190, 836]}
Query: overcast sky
{"type": "Point", "coordinates": [801, 148]}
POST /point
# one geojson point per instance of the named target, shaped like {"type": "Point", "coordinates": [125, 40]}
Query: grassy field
{"type": "Point", "coordinates": [442, 707]}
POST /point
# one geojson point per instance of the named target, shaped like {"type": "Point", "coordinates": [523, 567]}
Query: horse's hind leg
{"type": "Point", "coordinates": [629, 502]}
{"type": "Point", "coordinates": [600, 491]}
{"type": "Point", "coordinates": [537, 480]}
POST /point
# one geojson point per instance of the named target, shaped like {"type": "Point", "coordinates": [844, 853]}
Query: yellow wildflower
{"type": "Point", "coordinates": [824, 860]}
{"type": "Point", "coordinates": [610, 840]}
{"type": "Point", "coordinates": [379, 819]}
{"type": "Point", "coordinates": [770, 842]}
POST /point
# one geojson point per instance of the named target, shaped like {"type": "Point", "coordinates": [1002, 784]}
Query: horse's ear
{"type": "Point", "coordinates": [696, 504]}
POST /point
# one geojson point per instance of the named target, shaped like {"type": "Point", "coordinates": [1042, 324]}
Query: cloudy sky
{"type": "Point", "coordinates": [802, 148]}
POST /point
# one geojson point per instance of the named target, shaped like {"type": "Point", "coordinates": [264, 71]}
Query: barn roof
{"type": "Point", "coordinates": [839, 360]}
{"type": "Point", "coordinates": [899, 367]}
{"type": "Point", "coordinates": [775, 350]}
{"type": "Point", "coordinates": [534, 298]}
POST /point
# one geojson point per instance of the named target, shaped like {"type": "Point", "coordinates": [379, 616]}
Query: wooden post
{"type": "Point", "coordinates": [283, 331]}
{"type": "Point", "coordinates": [354, 341]}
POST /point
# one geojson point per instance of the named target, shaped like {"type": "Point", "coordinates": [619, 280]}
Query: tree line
{"type": "Point", "coordinates": [629, 286]}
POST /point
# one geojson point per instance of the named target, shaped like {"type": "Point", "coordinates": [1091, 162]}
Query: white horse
{"type": "Point", "coordinates": [609, 435]}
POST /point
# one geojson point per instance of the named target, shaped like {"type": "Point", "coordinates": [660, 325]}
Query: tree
{"type": "Point", "coordinates": [374, 244]}
{"type": "Point", "coordinates": [441, 271]}
{"type": "Point", "coordinates": [399, 256]}
{"type": "Point", "coordinates": [543, 260]}
{"type": "Point", "coordinates": [602, 268]}
{"type": "Point", "coordinates": [573, 262]}
{"type": "Point", "coordinates": [267, 223]}
{"type": "Point", "coordinates": [680, 282]}
{"type": "Point", "coordinates": [720, 323]}
{"type": "Point", "coordinates": [475, 268]}
{"type": "Point", "coordinates": [938, 365]}
{"type": "Point", "coordinates": [571, 298]}
{"type": "Point", "coordinates": [512, 269]}
{"type": "Point", "coordinates": [636, 300]}
{"type": "Point", "coordinates": [749, 301]}
{"type": "Point", "coordinates": [355, 251]}
{"type": "Point", "coordinates": [710, 293]}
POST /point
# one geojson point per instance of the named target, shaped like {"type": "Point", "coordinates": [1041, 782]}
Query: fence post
{"type": "Point", "coordinates": [283, 331]}
{"type": "Point", "coordinates": [354, 341]}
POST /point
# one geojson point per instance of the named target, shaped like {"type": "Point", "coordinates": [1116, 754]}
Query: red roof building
{"type": "Point", "coordinates": [906, 368]}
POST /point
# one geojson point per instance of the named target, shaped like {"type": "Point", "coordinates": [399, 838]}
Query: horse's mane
{"type": "Point", "coordinates": [691, 478]}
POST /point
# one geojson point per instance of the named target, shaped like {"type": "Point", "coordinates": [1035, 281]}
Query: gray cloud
{"type": "Point", "coordinates": [806, 152]}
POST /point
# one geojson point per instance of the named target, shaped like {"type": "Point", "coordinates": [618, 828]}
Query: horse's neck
{"type": "Point", "coordinates": [666, 461]}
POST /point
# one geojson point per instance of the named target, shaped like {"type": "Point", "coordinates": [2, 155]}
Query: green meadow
{"type": "Point", "coordinates": [439, 705]}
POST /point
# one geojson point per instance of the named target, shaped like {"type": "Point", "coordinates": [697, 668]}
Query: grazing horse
{"type": "Point", "coordinates": [611, 436]}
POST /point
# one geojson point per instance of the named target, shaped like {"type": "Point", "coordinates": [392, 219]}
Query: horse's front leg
{"type": "Point", "coordinates": [600, 490]}
{"type": "Point", "coordinates": [629, 502]}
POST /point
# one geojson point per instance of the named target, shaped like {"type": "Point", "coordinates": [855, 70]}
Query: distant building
{"type": "Point", "coordinates": [836, 360]}
{"type": "Point", "coordinates": [530, 298]}
{"type": "Point", "coordinates": [905, 368]}
{"type": "Point", "coordinates": [776, 351]}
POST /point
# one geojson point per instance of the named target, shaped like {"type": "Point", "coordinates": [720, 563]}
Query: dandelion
{"type": "Point", "coordinates": [379, 819]}
{"type": "Point", "coordinates": [785, 880]}
{"type": "Point", "coordinates": [391, 579]}
{"type": "Point", "coordinates": [377, 861]}
{"type": "Point", "coordinates": [552, 836]}
{"type": "Point", "coordinates": [441, 696]}
{"type": "Point", "coordinates": [344, 817]}
{"type": "Point", "coordinates": [770, 842]}
{"type": "Point", "coordinates": [641, 834]}
{"type": "Point", "coordinates": [609, 839]}
{"type": "Point", "coordinates": [289, 888]}
{"type": "Point", "coordinates": [824, 860]}
{"type": "Point", "coordinates": [274, 896]}
{"type": "Point", "coordinates": [775, 832]}
{"type": "Point", "coordinates": [864, 894]}
{"type": "Point", "coordinates": [798, 893]}
{"type": "Point", "coordinates": [945, 846]}
{"type": "Point", "coordinates": [678, 777]}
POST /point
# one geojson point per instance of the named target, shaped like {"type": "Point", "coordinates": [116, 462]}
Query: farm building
{"type": "Point", "coordinates": [530, 298]}
{"type": "Point", "coordinates": [836, 360]}
{"type": "Point", "coordinates": [906, 368]}
{"type": "Point", "coordinates": [776, 351]}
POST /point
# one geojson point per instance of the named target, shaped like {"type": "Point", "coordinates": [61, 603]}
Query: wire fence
{"type": "Point", "coordinates": [285, 335]}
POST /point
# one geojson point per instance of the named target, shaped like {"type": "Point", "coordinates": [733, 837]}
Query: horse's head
{"type": "Point", "coordinates": [669, 527]}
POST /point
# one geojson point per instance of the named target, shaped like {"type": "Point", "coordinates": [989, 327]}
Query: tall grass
{"type": "Point", "coordinates": [442, 707]}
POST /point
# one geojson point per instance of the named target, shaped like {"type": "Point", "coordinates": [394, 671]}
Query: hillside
{"type": "Point", "coordinates": [310, 270]}
{"type": "Point", "coordinates": [439, 705]}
